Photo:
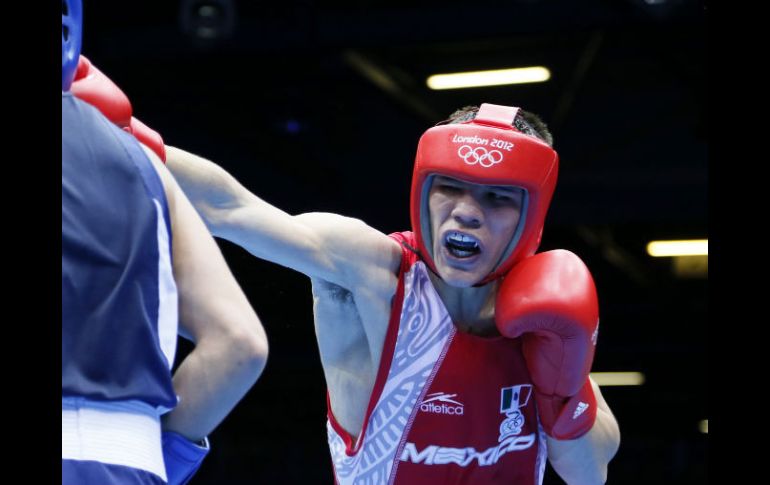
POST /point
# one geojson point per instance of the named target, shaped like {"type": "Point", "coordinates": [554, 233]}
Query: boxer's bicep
{"type": "Point", "coordinates": [352, 252]}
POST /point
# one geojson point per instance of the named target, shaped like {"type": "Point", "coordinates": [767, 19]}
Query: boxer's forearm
{"type": "Point", "coordinates": [206, 184]}
{"type": "Point", "coordinates": [210, 382]}
{"type": "Point", "coordinates": [337, 249]}
{"type": "Point", "coordinates": [232, 212]}
{"type": "Point", "coordinates": [584, 460]}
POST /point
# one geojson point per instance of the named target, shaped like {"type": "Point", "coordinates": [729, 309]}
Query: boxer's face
{"type": "Point", "coordinates": [471, 225]}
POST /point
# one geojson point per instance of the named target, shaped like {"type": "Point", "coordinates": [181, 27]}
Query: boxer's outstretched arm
{"type": "Point", "coordinates": [584, 460]}
{"type": "Point", "coordinates": [230, 343]}
{"type": "Point", "coordinates": [338, 249]}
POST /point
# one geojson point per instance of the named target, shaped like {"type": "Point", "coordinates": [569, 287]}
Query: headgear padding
{"type": "Point", "coordinates": [486, 150]}
{"type": "Point", "coordinates": [71, 36]}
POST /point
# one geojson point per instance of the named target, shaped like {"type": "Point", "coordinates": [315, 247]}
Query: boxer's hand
{"type": "Point", "coordinates": [550, 300]}
{"type": "Point", "coordinates": [182, 457]}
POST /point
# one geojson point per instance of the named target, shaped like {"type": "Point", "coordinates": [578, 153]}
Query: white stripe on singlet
{"type": "Point", "coordinates": [167, 293]}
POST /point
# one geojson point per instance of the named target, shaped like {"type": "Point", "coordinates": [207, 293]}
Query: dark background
{"type": "Point", "coordinates": [318, 106]}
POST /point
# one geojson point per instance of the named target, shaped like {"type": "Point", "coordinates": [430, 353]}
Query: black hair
{"type": "Point", "coordinates": [526, 122]}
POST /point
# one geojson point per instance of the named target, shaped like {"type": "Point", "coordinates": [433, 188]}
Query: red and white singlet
{"type": "Point", "coordinates": [447, 407]}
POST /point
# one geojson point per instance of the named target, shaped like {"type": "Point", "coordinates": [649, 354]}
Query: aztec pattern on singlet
{"type": "Point", "coordinates": [424, 334]}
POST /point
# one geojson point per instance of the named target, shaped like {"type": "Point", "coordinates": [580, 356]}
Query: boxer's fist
{"type": "Point", "coordinates": [550, 300]}
{"type": "Point", "coordinates": [182, 457]}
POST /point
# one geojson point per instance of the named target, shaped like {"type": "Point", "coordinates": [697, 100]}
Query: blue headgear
{"type": "Point", "coordinates": [71, 33]}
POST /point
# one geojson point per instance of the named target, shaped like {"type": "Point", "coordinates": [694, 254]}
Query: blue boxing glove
{"type": "Point", "coordinates": [182, 457]}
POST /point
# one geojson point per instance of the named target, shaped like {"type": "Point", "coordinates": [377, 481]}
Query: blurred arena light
{"type": "Point", "coordinates": [495, 77]}
{"type": "Point", "coordinates": [618, 378]}
{"type": "Point", "coordinates": [207, 21]}
{"type": "Point", "coordinates": [691, 247]}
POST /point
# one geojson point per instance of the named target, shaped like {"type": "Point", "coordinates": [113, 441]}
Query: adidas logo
{"type": "Point", "coordinates": [579, 410]}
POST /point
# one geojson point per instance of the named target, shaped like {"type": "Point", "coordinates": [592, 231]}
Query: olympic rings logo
{"type": "Point", "coordinates": [480, 155]}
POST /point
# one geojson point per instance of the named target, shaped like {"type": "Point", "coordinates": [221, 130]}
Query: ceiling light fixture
{"type": "Point", "coordinates": [497, 77]}
{"type": "Point", "coordinates": [692, 247]}
{"type": "Point", "coordinates": [618, 378]}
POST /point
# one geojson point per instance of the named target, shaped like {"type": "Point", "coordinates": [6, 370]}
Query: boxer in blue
{"type": "Point", "coordinates": [138, 269]}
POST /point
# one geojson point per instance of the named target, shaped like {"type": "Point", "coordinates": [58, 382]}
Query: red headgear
{"type": "Point", "coordinates": [487, 150]}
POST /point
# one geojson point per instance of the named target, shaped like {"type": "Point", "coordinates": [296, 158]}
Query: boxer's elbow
{"type": "Point", "coordinates": [251, 348]}
{"type": "Point", "coordinates": [240, 345]}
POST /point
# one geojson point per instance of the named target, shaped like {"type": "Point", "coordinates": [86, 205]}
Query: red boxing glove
{"type": "Point", "coordinates": [550, 300]}
{"type": "Point", "coordinates": [148, 137]}
{"type": "Point", "coordinates": [96, 89]}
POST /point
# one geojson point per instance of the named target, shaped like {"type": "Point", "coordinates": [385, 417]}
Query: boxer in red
{"type": "Point", "coordinates": [453, 353]}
